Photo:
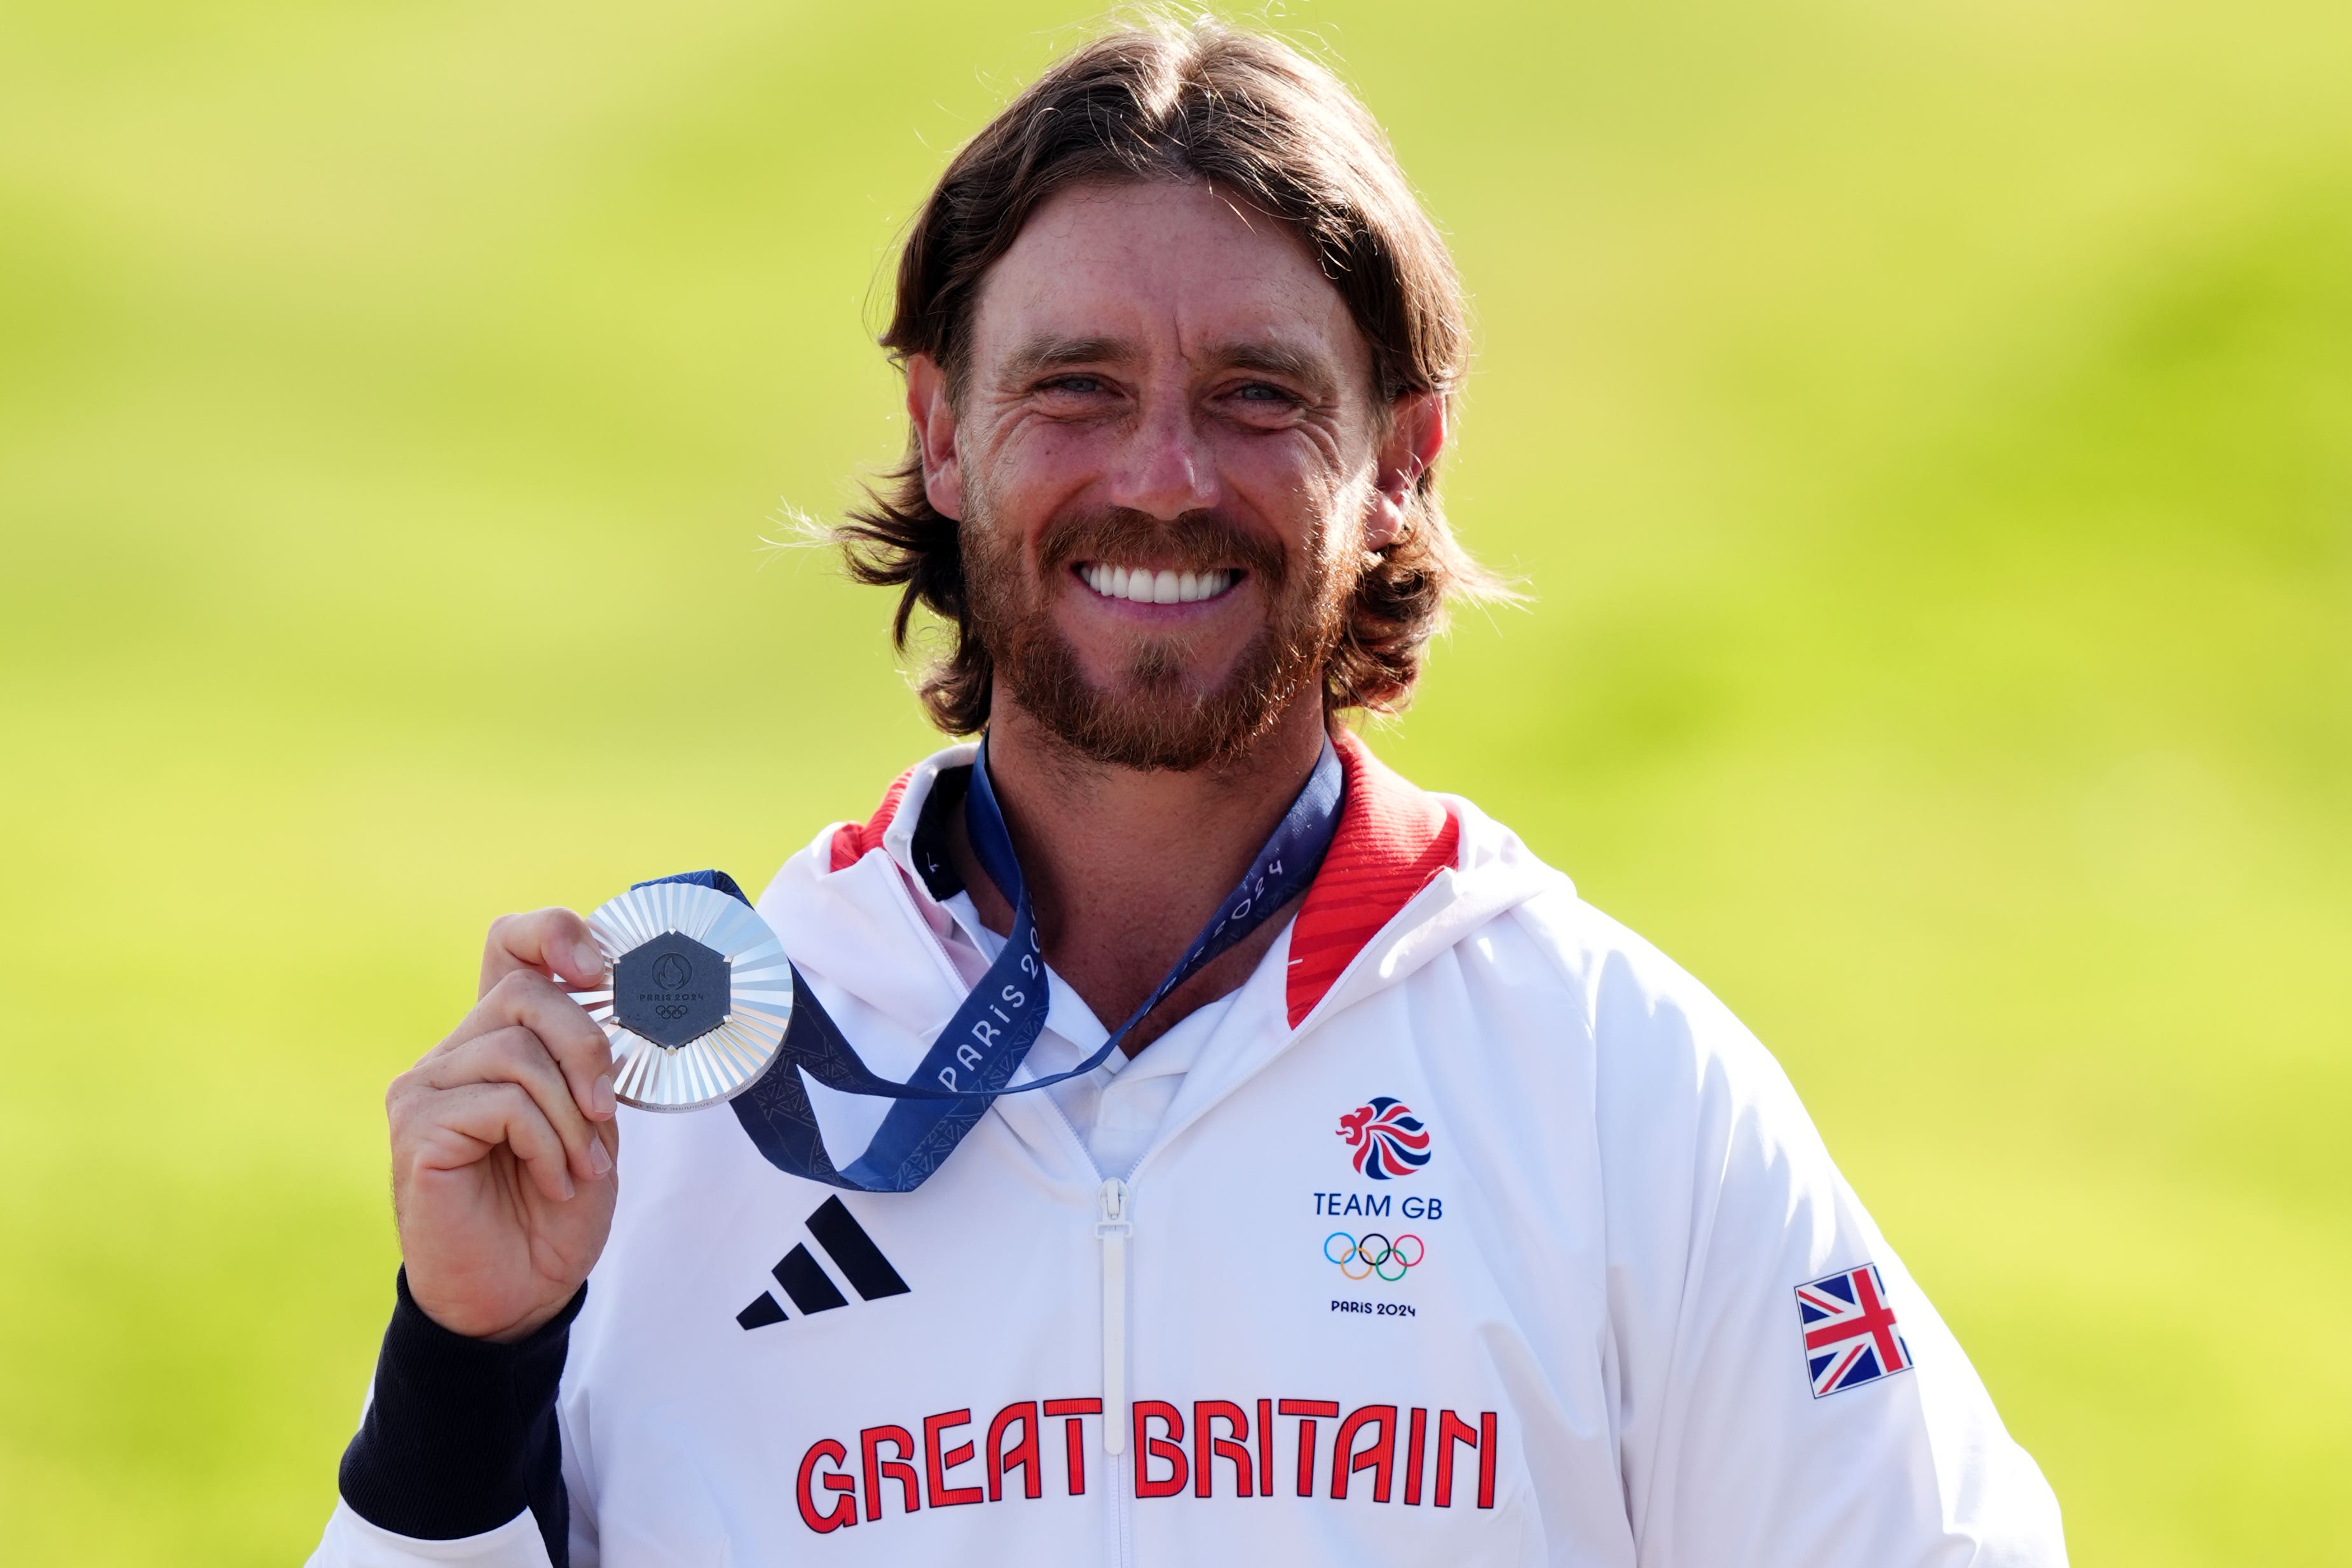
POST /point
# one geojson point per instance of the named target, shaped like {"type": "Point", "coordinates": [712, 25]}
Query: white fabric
{"type": "Point", "coordinates": [351, 1541]}
{"type": "Point", "coordinates": [1622, 1196]}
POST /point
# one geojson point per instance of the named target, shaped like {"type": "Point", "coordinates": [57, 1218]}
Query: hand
{"type": "Point", "coordinates": [503, 1139]}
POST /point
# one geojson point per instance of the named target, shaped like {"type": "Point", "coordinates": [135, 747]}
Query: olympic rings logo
{"type": "Point", "coordinates": [1374, 1255]}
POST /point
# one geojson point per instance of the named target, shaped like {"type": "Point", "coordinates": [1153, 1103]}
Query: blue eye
{"type": "Point", "coordinates": [1074, 384]}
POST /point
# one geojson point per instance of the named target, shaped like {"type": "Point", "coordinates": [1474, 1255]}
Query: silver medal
{"type": "Point", "coordinates": [699, 995]}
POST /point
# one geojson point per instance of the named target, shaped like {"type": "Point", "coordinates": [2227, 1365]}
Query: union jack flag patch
{"type": "Point", "coordinates": [1850, 1334]}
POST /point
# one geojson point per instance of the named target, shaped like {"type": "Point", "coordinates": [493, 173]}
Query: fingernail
{"type": "Point", "coordinates": [598, 1160]}
{"type": "Point", "coordinates": [586, 962]}
{"type": "Point", "coordinates": [568, 1189]}
{"type": "Point", "coordinates": [600, 1096]}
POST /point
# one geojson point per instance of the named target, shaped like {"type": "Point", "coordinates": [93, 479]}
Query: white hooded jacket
{"type": "Point", "coordinates": [1622, 1311]}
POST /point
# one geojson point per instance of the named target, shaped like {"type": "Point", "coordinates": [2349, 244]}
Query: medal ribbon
{"type": "Point", "coordinates": [968, 1066]}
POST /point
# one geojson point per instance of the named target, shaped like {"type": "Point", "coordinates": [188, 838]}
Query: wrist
{"type": "Point", "coordinates": [450, 1312]}
{"type": "Point", "coordinates": [431, 1320]}
{"type": "Point", "coordinates": [529, 1325]}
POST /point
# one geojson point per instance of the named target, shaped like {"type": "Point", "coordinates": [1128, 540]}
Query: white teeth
{"type": "Point", "coordinates": [1156, 586]}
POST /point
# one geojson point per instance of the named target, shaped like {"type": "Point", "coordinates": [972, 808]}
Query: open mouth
{"type": "Point", "coordinates": [1141, 585]}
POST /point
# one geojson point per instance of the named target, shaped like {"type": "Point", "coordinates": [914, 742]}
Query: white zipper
{"type": "Point", "coordinates": [1113, 1229]}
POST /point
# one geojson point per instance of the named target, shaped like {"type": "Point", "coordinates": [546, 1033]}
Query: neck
{"type": "Point", "coordinates": [1124, 867]}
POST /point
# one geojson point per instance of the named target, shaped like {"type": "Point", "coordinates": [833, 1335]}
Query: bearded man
{"type": "Point", "coordinates": [1352, 1192]}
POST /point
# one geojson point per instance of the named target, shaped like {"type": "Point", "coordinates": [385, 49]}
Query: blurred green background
{"type": "Point", "coordinates": [1927, 430]}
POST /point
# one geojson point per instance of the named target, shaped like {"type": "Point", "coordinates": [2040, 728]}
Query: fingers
{"type": "Point", "coordinates": [526, 1067]}
{"type": "Point", "coordinates": [569, 1036]}
{"type": "Point", "coordinates": [518, 1056]}
{"type": "Point", "coordinates": [462, 1125]}
{"type": "Point", "coordinates": [546, 941]}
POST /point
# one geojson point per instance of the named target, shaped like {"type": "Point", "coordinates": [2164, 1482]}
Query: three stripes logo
{"type": "Point", "coordinates": [807, 1284]}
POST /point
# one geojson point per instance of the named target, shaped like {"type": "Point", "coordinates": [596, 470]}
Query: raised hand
{"type": "Point", "coordinates": [503, 1139]}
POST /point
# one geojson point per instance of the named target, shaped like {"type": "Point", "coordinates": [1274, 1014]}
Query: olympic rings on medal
{"type": "Point", "coordinates": [1374, 1254]}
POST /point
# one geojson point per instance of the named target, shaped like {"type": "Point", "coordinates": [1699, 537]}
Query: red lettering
{"type": "Point", "coordinates": [936, 1465]}
{"type": "Point", "coordinates": [1450, 1429]}
{"type": "Point", "coordinates": [1149, 1448]}
{"type": "Point", "coordinates": [1311, 1409]}
{"type": "Point", "coordinates": [1075, 1430]}
{"type": "Point", "coordinates": [900, 1470]}
{"type": "Point", "coordinates": [1380, 1439]}
{"type": "Point", "coordinates": [843, 1512]}
{"type": "Point", "coordinates": [1379, 1456]}
{"type": "Point", "coordinates": [1207, 1446]}
{"type": "Point", "coordinates": [1022, 1456]}
{"type": "Point", "coordinates": [1265, 1447]}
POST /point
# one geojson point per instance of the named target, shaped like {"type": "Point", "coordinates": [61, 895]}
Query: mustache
{"type": "Point", "coordinates": [1193, 541]}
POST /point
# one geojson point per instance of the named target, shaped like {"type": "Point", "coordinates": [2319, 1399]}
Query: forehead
{"type": "Point", "coordinates": [1164, 269]}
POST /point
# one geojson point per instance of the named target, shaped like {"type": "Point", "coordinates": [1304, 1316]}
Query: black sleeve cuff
{"type": "Point", "coordinates": [461, 1434]}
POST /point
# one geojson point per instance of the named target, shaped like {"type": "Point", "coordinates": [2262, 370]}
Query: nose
{"type": "Point", "coordinates": [1164, 469]}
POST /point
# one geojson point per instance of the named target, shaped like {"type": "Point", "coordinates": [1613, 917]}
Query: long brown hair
{"type": "Point", "coordinates": [1185, 100]}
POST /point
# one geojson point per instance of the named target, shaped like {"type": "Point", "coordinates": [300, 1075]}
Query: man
{"type": "Point", "coordinates": [1421, 1214]}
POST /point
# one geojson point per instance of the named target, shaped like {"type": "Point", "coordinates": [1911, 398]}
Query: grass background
{"type": "Point", "coordinates": [1928, 430]}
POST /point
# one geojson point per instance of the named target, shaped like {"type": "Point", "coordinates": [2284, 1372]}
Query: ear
{"type": "Point", "coordinates": [932, 415]}
{"type": "Point", "coordinates": [1416, 434]}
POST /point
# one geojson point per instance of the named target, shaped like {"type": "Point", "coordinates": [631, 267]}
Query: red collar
{"type": "Point", "coordinates": [1392, 839]}
{"type": "Point", "coordinates": [852, 841]}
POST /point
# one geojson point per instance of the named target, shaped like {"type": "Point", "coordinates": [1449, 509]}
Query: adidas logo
{"type": "Point", "coordinates": [810, 1288]}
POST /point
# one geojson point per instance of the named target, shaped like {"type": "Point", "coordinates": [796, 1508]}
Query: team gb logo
{"type": "Point", "coordinates": [1388, 1139]}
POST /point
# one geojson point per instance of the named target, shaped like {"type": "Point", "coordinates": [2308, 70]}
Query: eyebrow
{"type": "Point", "coordinates": [1049, 351]}
{"type": "Point", "coordinates": [1275, 358]}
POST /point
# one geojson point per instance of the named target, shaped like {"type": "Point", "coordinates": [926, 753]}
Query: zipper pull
{"type": "Point", "coordinates": [1113, 1229]}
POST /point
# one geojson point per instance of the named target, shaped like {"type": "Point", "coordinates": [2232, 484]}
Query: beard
{"type": "Point", "coordinates": [1153, 714]}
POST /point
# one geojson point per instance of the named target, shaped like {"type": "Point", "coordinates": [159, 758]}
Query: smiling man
{"type": "Point", "coordinates": [1261, 1159]}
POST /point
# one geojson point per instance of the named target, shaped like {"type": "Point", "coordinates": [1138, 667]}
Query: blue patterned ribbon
{"type": "Point", "coordinates": [968, 1064]}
